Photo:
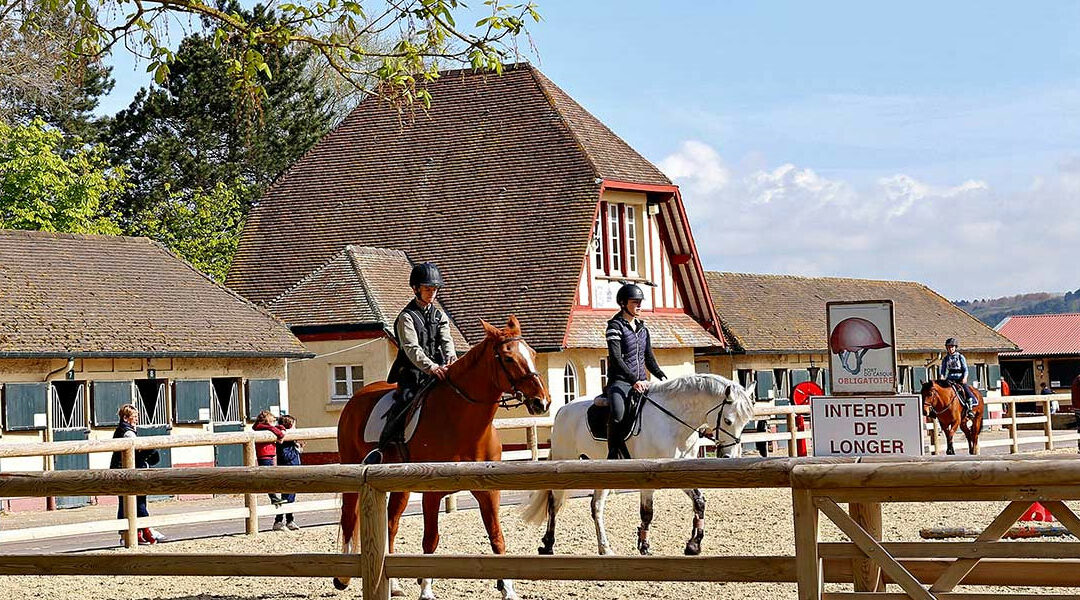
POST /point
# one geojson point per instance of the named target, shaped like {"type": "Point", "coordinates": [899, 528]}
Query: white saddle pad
{"type": "Point", "coordinates": [377, 420]}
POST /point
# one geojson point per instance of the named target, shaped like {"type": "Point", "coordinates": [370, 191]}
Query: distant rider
{"type": "Point", "coordinates": [425, 350]}
{"type": "Point", "coordinates": [954, 369]}
{"type": "Point", "coordinates": [629, 356]}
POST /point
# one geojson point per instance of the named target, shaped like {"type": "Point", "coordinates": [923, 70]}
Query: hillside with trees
{"type": "Point", "coordinates": [992, 311]}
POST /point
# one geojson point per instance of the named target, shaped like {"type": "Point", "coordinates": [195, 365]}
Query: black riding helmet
{"type": "Point", "coordinates": [628, 292]}
{"type": "Point", "coordinates": [425, 274]}
{"type": "Point", "coordinates": [952, 342]}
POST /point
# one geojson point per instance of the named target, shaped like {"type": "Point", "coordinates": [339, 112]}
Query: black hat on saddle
{"type": "Point", "coordinates": [425, 274]}
{"type": "Point", "coordinates": [628, 292]}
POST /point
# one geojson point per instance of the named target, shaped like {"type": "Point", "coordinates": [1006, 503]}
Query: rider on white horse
{"type": "Point", "coordinates": [629, 356]}
{"type": "Point", "coordinates": [425, 348]}
{"type": "Point", "coordinates": [954, 369]}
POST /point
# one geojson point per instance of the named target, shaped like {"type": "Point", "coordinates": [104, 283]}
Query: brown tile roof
{"type": "Point", "coordinates": [666, 330]}
{"type": "Point", "coordinates": [359, 286]}
{"type": "Point", "coordinates": [783, 313]}
{"type": "Point", "coordinates": [497, 183]}
{"type": "Point", "coordinates": [87, 295]}
{"type": "Point", "coordinates": [1043, 335]}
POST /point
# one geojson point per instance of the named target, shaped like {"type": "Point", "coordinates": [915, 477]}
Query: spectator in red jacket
{"type": "Point", "coordinates": [266, 452]}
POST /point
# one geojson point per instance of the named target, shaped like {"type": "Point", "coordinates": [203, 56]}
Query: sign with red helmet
{"type": "Point", "coordinates": [862, 347]}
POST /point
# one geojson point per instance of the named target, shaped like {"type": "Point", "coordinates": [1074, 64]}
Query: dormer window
{"type": "Point", "coordinates": [631, 239]}
{"type": "Point", "coordinates": [614, 238]}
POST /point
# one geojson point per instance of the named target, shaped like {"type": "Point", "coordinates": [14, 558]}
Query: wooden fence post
{"type": "Point", "coordinates": [934, 436]}
{"type": "Point", "coordinates": [531, 440]}
{"type": "Point", "coordinates": [450, 503]}
{"type": "Point", "coordinates": [373, 544]}
{"type": "Point", "coordinates": [250, 500]}
{"type": "Point", "coordinates": [1048, 427]}
{"type": "Point", "coordinates": [793, 442]}
{"type": "Point", "coordinates": [807, 561]}
{"type": "Point", "coordinates": [1015, 447]}
{"type": "Point", "coordinates": [867, 574]}
{"type": "Point", "coordinates": [131, 540]}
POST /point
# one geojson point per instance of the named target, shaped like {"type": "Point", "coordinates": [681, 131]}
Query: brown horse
{"type": "Point", "coordinates": [942, 401]}
{"type": "Point", "coordinates": [455, 424]}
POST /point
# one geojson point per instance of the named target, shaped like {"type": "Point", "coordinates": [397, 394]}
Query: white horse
{"type": "Point", "coordinates": [671, 418]}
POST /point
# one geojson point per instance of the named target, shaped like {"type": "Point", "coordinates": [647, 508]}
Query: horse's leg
{"type": "Point", "coordinates": [549, 536]}
{"type": "Point", "coordinates": [395, 507]}
{"type": "Point", "coordinates": [949, 430]}
{"type": "Point", "coordinates": [489, 512]}
{"type": "Point", "coordinates": [431, 536]}
{"type": "Point", "coordinates": [646, 520]}
{"type": "Point", "coordinates": [693, 545]}
{"type": "Point", "coordinates": [349, 522]}
{"type": "Point", "coordinates": [597, 507]}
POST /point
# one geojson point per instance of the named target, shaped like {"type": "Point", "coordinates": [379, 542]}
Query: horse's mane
{"type": "Point", "coordinates": [706, 383]}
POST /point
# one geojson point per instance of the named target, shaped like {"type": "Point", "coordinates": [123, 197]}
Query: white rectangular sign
{"type": "Point", "coordinates": [867, 426]}
{"type": "Point", "coordinates": [862, 347]}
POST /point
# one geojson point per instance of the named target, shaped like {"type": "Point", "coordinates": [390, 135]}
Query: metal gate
{"type": "Point", "coordinates": [68, 399]}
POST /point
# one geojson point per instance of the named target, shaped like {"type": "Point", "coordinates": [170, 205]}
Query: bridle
{"type": "Point", "coordinates": [507, 401]}
{"type": "Point", "coordinates": [702, 433]}
{"type": "Point", "coordinates": [934, 411]}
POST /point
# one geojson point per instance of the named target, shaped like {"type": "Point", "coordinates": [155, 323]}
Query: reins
{"type": "Point", "coordinates": [507, 401]}
{"type": "Point", "coordinates": [702, 432]}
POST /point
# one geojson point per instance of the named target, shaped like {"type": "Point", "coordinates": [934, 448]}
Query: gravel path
{"type": "Point", "coordinates": [739, 522]}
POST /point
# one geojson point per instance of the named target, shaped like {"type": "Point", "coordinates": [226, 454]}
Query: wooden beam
{"type": "Point", "coordinates": [873, 549]}
{"type": "Point", "coordinates": [1063, 513]}
{"type": "Point", "coordinates": [989, 571]}
{"type": "Point", "coordinates": [958, 550]}
{"type": "Point", "coordinates": [866, 515]}
{"type": "Point", "coordinates": [993, 532]}
{"type": "Point", "coordinates": [607, 568]}
{"type": "Point", "coordinates": [374, 544]}
{"type": "Point", "coordinates": [971, 493]}
{"type": "Point", "coordinates": [938, 474]}
{"type": "Point", "coordinates": [181, 564]}
{"type": "Point", "coordinates": [808, 567]}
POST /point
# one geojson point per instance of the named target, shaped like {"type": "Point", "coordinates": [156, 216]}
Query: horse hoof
{"type": "Point", "coordinates": [692, 549]}
{"type": "Point", "coordinates": [340, 585]}
{"type": "Point", "coordinates": [397, 593]}
{"type": "Point", "coordinates": [545, 551]}
{"type": "Point", "coordinates": [644, 550]}
{"type": "Point", "coordinates": [607, 551]}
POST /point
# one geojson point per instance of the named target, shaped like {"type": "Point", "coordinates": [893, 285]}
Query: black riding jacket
{"type": "Point", "coordinates": [630, 351]}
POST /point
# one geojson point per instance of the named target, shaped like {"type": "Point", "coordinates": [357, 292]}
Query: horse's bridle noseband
{"type": "Point", "coordinates": [506, 401]}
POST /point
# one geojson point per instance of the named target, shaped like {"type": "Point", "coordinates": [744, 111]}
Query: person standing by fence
{"type": "Point", "coordinates": [288, 454]}
{"type": "Point", "coordinates": [144, 459]}
{"type": "Point", "coordinates": [266, 452]}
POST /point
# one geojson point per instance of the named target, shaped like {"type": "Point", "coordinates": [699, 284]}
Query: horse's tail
{"type": "Point", "coordinates": [350, 530]}
{"type": "Point", "coordinates": [542, 503]}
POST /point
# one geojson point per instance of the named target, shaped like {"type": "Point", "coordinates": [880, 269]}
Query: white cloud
{"type": "Point", "coordinates": [964, 240]}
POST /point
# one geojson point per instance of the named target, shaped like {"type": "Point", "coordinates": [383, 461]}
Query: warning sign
{"type": "Point", "coordinates": [862, 347]}
{"type": "Point", "coordinates": [867, 426]}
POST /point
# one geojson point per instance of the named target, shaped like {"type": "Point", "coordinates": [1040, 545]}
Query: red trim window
{"type": "Point", "coordinates": [615, 241]}
{"type": "Point", "coordinates": [631, 239]}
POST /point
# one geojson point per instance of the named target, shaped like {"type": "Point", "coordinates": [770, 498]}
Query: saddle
{"type": "Point", "coordinates": [387, 414]}
{"type": "Point", "coordinates": [597, 416]}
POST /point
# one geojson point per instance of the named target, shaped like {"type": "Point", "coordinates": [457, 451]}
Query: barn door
{"type": "Point", "coordinates": [68, 400]}
{"type": "Point", "coordinates": [150, 399]}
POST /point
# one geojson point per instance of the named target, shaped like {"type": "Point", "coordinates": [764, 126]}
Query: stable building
{"type": "Point", "coordinates": [1049, 352]}
{"type": "Point", "coordinates": [88, 323]}
{"type": "Point", "coordinates": [528, 204]}
{"type": "Point", "coordinates": [776, 326]}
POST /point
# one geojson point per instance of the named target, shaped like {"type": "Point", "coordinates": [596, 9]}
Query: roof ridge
{"type": "Point", "coordinates": [311, 274]}
{"type": "Point", "coordinates": [1041, 315]}
{"type": "Point", "coordinates": [830, 277]}
{"type": "Point", "coordinates": [365, 290]}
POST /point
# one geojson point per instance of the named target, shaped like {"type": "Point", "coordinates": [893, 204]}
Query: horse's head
{"type": "Point", "coordinates": [735, 413]}
{"type": "Point", "coordinates": [930, 399]}
{"type": "Point", "coordinates": [517, 365]}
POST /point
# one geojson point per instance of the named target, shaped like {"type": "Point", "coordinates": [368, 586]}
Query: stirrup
{"type": "Point", "coordinates": [375, 457]}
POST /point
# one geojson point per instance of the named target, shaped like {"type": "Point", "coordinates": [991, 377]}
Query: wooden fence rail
{"type": "Point", "coordinates": [926, 570]}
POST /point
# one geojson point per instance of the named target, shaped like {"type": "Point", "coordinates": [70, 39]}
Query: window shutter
{"type": "Point", "coordinates": [106, 398]}
{"type": "Point", "coordinates": [918, 378]}
{"type": "Point", "coordinates": [798, 376]}
{"type": "Point", "coordinates": [262, 394]}
{"type": "Point", "coordinates": [765, 384]}
{"type": "Point", "coordinates": [23, 402]}
{"type": "Point", "coordinates": [993, 377]}
{"type": "Point", "coordinates": [191, 398]}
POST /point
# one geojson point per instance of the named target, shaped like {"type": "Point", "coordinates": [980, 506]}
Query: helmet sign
{"type": "Point", "coordinates": [862, 353]}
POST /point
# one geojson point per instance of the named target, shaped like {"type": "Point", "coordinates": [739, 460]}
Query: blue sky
{"type": "Point", "coordinates": [828, 137]}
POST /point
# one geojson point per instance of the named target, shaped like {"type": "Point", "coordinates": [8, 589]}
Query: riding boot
{"type": "Point", "coordinates": [616, 445]}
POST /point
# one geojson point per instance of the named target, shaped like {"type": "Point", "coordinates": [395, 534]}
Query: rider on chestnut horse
{"type": "Point", "coordinates": [954, 369]}
{"type": "Point", "coordinates": [629, 355]}
{"type": "Point", "coordinates": [425, 348]}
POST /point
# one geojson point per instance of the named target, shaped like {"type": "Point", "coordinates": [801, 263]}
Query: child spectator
{"type": "Point", "coordinates": [265, 452]}
{"type": "Point", "coordinates": [288, 453]}
{"type": "Point", "coordinates": [144, 459]}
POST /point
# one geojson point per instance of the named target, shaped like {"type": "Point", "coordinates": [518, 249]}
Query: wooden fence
{"type": "Point", "coordinates": [251, 510]}
{"type": "Point", "coordinates": [924, 570]}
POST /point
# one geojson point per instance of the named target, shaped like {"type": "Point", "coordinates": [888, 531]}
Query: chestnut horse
{"type": "Point", "coordinates": [942, 401]}
{"type": "Point", "coordinates": [455, 424]}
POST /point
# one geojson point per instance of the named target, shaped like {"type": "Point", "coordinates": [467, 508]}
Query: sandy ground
{"type": "Point", "coordinates": [739, 522]}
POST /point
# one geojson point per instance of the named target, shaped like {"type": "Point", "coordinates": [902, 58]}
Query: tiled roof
{"type": "Point", "coordinates": [358, 286]}
{"type": "Point", "coordinates": [782, 313]}
{"type": "Point", "coordinates": [666, 330]}
{"type": "Point", "coordinates": [1042, 335]}
{"type": "Point", "coordinates": [87, 295]}
{"type": "Point", "coordinates": [497, 183]}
